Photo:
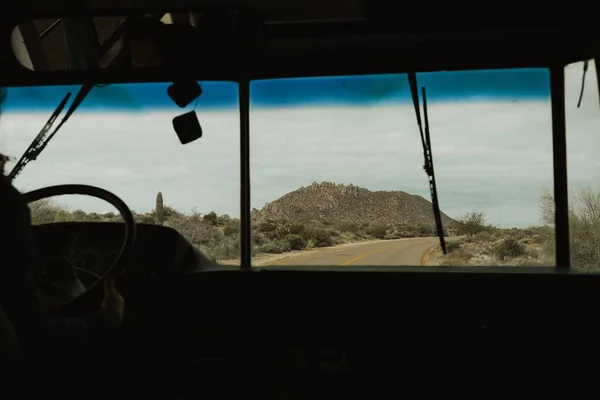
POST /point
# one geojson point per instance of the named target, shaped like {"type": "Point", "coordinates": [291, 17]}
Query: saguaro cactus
{"type": "Point", "coordinates": [159, 211]}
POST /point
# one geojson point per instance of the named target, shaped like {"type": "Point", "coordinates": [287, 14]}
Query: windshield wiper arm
{"type": "Point", "coordinates": [34, 148]}
{"type": "Point", "coordinates": [427, 155]}
{"type": "Point", "coordinates": [40, 142]}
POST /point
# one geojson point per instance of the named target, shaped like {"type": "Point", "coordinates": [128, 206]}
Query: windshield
{"type": "Point", "coordinates": [122, 139]}
{"type": "Point", "coordinates": [583, 119]}
{"type": "Point", "coordinates": [337, 170]}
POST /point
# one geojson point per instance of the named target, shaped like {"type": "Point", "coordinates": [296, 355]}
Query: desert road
{"type": "Point", "coordinates": [386, 252]}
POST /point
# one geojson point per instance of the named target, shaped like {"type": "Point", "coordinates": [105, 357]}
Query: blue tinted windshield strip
{"type": "Point", "coordinates": [520, 84]}
{"type": "Point", "coordinates": [509, 85]}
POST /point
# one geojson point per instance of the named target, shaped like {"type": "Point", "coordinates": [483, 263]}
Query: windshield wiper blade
{"type": "Point", "coordinates": [34, 148]}
{"type": "Point", "coordinates": [40, 142]}
{"type": "Point", "coordinates": [427, 154]}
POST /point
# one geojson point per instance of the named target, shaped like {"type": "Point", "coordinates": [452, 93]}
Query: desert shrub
{"type": "Point", "coordinates": [279, 233]}
{"type": "Point", "coordinates": [517, 234]}
{"type": "Point", "coordinates": [231, 228]}
{"type": "Point", "coordinates": [309, 232]}
{"type": "Point", "coordinates": [460, 258]}
{"type": "Point", "coordinates": [210, 218]}
{"type": "Point", "coordinates": [271, 248]}
{"type": "Point", "coordinates": [170, 213]}
{"type": "Point", "coordinates": [585, 248]}
{"type": "Point", "coordinates": [361, 235]}
{"type": "Point", "coordinates": [377, 231]}
{"type": "Point", "coordinates": [333, 233]}
{"type": "Point", "coordinates": [223, 220]}
{"type": "Point", "coordinates": [208, 252]}
{"type": "Point", "coordinates": [227, 248]}
{"type": "Point", "coordinates": [450, 229]}
{"type": "Point", "coordinates": [79, 215]}
{"type": "Point", "coordinates": [471, 223]}
{"type": "Point", "coordinates": [347, 226]}
{"type": "Point", "coordinates": [267, 226]}
{"type": "Point", "coordinates": [509, 248]}
{"type": "Point", "coordinates": [547, 208]}
{"type": "Point", "coordinates": [392, 236]}
{"type": "Point", "coordinates": [484, 236]}
{"type": "Point", "coordinates": [426, 230]}
{"type": "Point", "coordinates": [296, 228]}
{"type": "Point", "coordinates": [196, 230]}
{"type": "Point", "coordinates": [452, 246]}
{"type": "Point", "coordinates": [584, 225]}
{"type": "Point", "coordinates": [284, 245]}
{"type": "Point", "coordinates": [320, 238]}
{"type": "Point", "coordinates": [43, 211]}
{"type": "Point", "coordinates": [296, 242]}
{"type": "Point", "coordinates": [529, 232]}
{"type": "Point", "coordinates": [258, 239]}
{"type": "Point", "coordinates": [147, 218]}
{"type": "Point", "coordinates": [97, 217]}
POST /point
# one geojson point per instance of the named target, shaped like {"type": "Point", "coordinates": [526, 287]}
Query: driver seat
{"type": "Point", "coordinates": [10, 347]}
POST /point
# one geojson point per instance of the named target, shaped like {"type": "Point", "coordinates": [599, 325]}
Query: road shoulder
{"type": "Point", "coordinates": [426, 257]}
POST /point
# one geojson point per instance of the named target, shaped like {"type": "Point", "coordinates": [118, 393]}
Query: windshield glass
{"type": "Point", "coordinates": [336, 166]}
{"type": "Point", "coordinates": [337, 170]}
{"type": "Point", "coordinates": [583, 141]}
{"type": "Point", "coordinates": [122, 139]}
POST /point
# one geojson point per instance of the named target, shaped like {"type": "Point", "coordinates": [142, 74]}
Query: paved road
{"type": "Point", "coordinates": [389, 252]}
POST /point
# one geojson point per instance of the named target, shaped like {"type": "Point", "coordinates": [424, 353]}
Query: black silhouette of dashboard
{"type": "Point", "coordinates": [158, 255]}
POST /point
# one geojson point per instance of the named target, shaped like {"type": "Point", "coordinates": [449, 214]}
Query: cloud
{"type": "Point", "coordinates": [135, 156]}
{"type": "Point", "coordinates": [493, 156]}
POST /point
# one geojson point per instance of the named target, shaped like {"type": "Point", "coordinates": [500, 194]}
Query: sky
{"type": "Point", "coordinates": [490, 131]}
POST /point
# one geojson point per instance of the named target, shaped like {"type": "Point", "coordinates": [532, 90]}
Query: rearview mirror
{"type": "Point", "coordinates": [144, 41]}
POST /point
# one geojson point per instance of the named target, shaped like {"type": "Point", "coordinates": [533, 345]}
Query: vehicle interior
{"type": "Point", "coordinates": [201, 126]}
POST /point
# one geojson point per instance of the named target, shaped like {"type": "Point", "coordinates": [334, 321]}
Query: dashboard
{"type": "Point", "coordinates": [158, 256]}
{"type": "Point", "coordinates": [315, 333]}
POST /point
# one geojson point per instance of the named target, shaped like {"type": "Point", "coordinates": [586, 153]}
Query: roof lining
{"type": "Point", "coordinates": [354, 48]}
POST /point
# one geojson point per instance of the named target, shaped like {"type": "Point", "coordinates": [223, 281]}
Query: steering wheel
{"type": "Point", "coordinates": [86, 190]}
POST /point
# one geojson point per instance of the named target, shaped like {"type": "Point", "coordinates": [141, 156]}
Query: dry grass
{"type": "Point", "coordinates": [499, 247]}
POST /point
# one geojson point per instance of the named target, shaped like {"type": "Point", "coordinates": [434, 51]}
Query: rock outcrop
{"type": "Point", "coordinates": [339, 202]}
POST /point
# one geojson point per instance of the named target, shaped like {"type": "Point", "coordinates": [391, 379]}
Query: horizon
{"type": "Point", "coordinates": [490, 131]}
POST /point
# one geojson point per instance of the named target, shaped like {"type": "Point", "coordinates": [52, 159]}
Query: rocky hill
{"type": "Point", "coordinates": [339, 202]}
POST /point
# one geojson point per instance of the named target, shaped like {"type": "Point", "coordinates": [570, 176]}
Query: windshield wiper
{"type": "Point", "coordinates": [427, 155]}
{"type": "Point", "coordinates": [40, 142]}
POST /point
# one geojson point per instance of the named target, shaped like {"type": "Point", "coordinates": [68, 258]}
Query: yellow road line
{"type": "Point", "coordinates": [364, 255]}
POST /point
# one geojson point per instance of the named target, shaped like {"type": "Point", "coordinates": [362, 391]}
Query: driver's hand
{"type": "Point", "coordinates": [113, 300]}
